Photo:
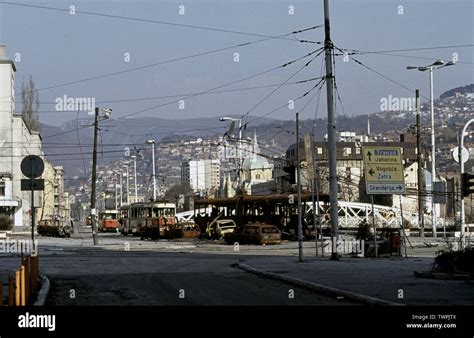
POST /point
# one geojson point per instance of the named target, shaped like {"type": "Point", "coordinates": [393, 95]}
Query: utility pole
{"type": "Point", "coordinates": [116, 195]}
{"type": "Point", "coordinates": [298, 173]}
{"type": "Point", "coordinates": [128, 185]}
{"type": "Point", "coordinates": [121, 188]}
{"type": "Point", "coordinates": [421, 218]}
{"type": "Point", "coordinates": [135, 177]}
{"type": "Point", "coordinates": [433, 156]}
{"type": "Point", "coordinates": [94, 178]}
{"type": "Point", "coordinates": [328, 46]}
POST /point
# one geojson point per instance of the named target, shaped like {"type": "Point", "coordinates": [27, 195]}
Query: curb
{"type": "Point", "coordinates": [318, 287]}
{"type": "Point", "coordinates": [43, 293]}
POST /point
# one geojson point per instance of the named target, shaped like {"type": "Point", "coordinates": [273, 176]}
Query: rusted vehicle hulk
{"type": "Point", "coordinates": [184, 230]}
{"type": "Point", "coordinates": [254, 233]}
{"type": "Point", "coordinates": [50, 227]}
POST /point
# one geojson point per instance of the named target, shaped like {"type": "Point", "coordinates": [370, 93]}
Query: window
{"type": "Point", "coordinates": [358, 151]}
{"type": "Point", "coordinates": [320, 150]}
{"type": "Point", "coordinates": [2, 188]}
{"type": "Point", "coordinates": [257, 177]}
{"type": "Point", "coordinates": [347, 151]}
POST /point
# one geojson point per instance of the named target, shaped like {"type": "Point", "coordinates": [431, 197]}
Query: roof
{"type": "Point", "coordinates": [3, 59]}
{"type": "Point", "coordinates": [255, 160]}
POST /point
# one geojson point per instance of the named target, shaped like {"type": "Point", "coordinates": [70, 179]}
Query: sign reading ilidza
{"type": "Point", "coordinates": [383, 170]}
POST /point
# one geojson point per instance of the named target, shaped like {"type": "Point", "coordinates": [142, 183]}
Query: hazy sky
{"type": "Point", "coordinates": [56, 48]}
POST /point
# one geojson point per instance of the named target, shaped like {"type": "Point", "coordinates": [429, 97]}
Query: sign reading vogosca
{"type": "Point", "coordinates": [383, 170]}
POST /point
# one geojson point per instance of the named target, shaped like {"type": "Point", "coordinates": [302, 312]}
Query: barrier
{"type": "Point", "coordinates": [23, 284]}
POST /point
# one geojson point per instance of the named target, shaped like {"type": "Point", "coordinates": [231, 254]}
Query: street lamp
{"type": "Point", "coordinates": [225, 118]}
{"type": "Point", "coordinates": [435, 65]}
{"type": "Point", "coordinates": [97, 119]}
{"type": "Point", "coordinates": [152, 142]}
{"type": "Point", "coordinates": [128, 183]}
{"type": "Point", "coordinates": [461, 167]}
{"type": "Point", "coordinates": [135, 176]}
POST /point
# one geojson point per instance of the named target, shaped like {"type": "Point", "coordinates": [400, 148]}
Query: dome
{"type": "Point", "coordinates": [256, 162]}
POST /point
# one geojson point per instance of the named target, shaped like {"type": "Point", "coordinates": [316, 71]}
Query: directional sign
{"type": "Point", "coordinates": [384, 173]}
{"type": "Point", "coordinates": [385, 188]}
{"type": "Point", "coordinates": [383, 170]}
{"type": "Point", "coordinates": [383, 155]}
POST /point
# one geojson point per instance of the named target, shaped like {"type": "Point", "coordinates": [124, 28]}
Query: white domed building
{"type": "Point", "coordinates": [255, 168]}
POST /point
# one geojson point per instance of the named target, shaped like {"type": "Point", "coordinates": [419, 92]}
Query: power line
{"type": "Point", "coordinates": [286, 104]}
{"type": "Point", "coordinates": [166, 22]}
{"type": "Point", "coordinates": [221, 86]}
{"type": "Point", "coordinates": [165, 62]}
{"type": "Point", "coordinates": [184, 94]}
{"type": "Point", "coordinates": [356, 51]}
{"type": "Point", "coordinates": [406, 56]}
{"type": "Point", "coordinates": [380, 74]}
{"type": "Point", "coordinates": [196, 94]}
{"type": "Point", "coordinates": [276, 89]}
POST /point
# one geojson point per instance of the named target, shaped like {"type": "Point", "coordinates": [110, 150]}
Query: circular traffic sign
{"type": "Point", "coordinates": [32, 166]}
{"type": "Point", "coordinates": [464, 154]}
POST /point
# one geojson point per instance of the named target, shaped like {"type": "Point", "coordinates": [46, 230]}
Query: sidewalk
{"type": "Point", "coordinates": [384, 278]}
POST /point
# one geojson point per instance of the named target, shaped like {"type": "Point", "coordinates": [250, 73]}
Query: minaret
{"type": "Point", "coordinates": [368, 127]}
{"type": "Point", "coordinates": [255, 148]}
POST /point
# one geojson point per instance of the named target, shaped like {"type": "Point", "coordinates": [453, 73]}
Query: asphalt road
{"type": "Point", "coordinates": [128, 271]}
{"type": "Point", "coordinates": [144, 278]}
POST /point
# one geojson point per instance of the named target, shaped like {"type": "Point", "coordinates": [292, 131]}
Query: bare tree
{"type": "Point", "coordinates": [30, 99]}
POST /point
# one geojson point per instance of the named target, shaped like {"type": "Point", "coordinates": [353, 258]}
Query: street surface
{"type": "Point", "coordinates": [129, 271]}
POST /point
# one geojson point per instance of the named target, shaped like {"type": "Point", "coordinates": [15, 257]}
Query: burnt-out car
{"type": "Point", "coordinates": [218, 228]}
{"type": "Point", "coordinates": [184, 230]}
{"type": "Point", "coordinates": [254, 233]}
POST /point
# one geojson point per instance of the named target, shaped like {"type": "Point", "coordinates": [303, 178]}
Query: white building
{"type": "Point", "coordinates": [256, 169]}
{"type": "Point", "coordinates": [202, 175]}
{"type": "Point", "coordinates": [16, 142]}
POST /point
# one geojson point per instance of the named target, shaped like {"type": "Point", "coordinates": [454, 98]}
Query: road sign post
{"type": "Point", "coordinates": [32, 166]}
{"type": "Point", "coordinates": [383, 169]}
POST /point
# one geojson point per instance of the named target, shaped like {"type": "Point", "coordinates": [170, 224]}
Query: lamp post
{"type": "Point", "coordinates": [128, 183]}
{"type": "Point", "coordinates": [116, 194]}
{"type": "Point", "coordinates": [225, 118]}
{"type": "Point", "coordinates": [152, 142]}
{"type": "Point", "coordinates": [461, 170]}
{"type": "Point", "coordinates": [435, 65]}
{"type": "Point", "coordinates": [135, 176]}
{"type": "Point", "coordinates": [121, 187]}
{"type": "Point", "coordinates": [97, 119]}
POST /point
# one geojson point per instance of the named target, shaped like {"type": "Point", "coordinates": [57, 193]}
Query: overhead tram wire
{"type": "Point", "coordinates": [276, 89]}
{"type": "Point", "coordinates": [356, 51]}
{"type": "Point", "coordinates": [244, 44]}
{"type": "Point", "coordinates": [316, 111]}
{"type": "Point", "coordinates": [221, 86]}
{"type": "Point", "coordinates": [380, 74]}
{"type": "Point", "coordinates": [121, 17]}
{"type": "Point", "coordinates": [322, 80]}
{"type": "Point", "coordinates": [406, 56]}
{"type": "Point", "coordinates": [184, 94]}
{"type": "Point", "coordinates": [193, 95]}
{"type": "Point", "coordinates": [337, 94]}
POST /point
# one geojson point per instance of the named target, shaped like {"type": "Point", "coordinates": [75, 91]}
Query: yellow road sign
{"type": "Point", "coordinates": [391, 155]}
{"type": "Point", "coordinates": [384, 173]}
